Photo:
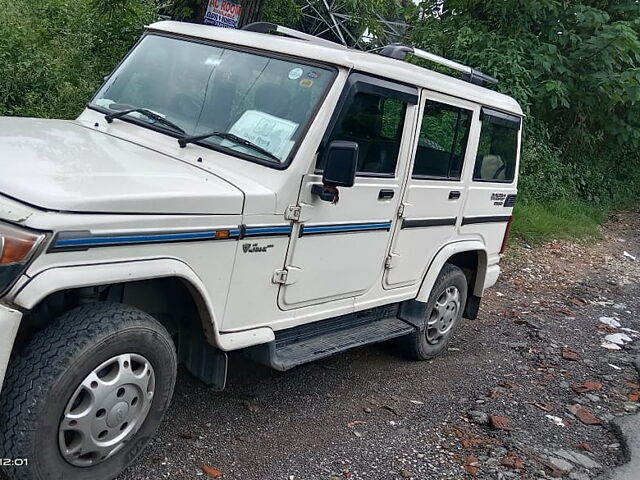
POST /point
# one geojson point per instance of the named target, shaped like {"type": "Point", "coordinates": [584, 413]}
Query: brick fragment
{"type": "Point", "coordinates": [470, 464]}
{"type": "Point", "coordinates": [584, 415]}
{"type": "Point", "coordinates": [587, 387]}
{"type": "Point", "coordinates": [211, 472]}
{"type": "Point", "coordinates": [493, 394]}
{"type": "Point", "coordinates": [511, 460]}
{"type": "Point", "coordinates": [582, 446]}
{"type": "Point", "coordinates": [500, 423]}
{"type": "Point", "coordinates": [607, 328]}
{"type": "Point", "coordinates": [569, 354]}
{"type": "Point", "coordinates": [544, 406]}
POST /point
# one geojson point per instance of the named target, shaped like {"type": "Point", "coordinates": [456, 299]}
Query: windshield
{"type": "Point", "coordinates": [199, 89]}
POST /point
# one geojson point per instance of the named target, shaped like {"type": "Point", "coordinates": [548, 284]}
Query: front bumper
{"type": "Point", "coordinates": [9, 323]}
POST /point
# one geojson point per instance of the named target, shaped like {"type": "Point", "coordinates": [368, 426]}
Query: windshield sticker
{"type": "Point", "coordinates": [295, 73]}
{"type": "Point", "coordinates": [313, 74]}
{"type": "Point", "coordinates": [306, 83]}
{"type": "Point", "coordinates": [269, 132]}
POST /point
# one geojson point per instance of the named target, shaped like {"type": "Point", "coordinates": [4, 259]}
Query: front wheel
{"type": "Point", "coordinates": [443, 315]}
{"type": "Point", "coordinates": [87, 394]}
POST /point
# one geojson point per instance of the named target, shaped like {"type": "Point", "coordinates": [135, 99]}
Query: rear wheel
{"type": "Point", "coordinates": [443, 315]}
{"type": "Point", "coordinates": [87, 394]}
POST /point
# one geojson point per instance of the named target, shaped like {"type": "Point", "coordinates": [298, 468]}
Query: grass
{"type": "Point", "coordinates": [536, 222]}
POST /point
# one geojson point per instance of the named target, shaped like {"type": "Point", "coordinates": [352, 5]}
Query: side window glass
{"type": "Point", "coordinates": [375, 123]}
{"type": "Point", "coordinates": [497, 152]}
{"type": "Point", "coordinates": [443, 141]}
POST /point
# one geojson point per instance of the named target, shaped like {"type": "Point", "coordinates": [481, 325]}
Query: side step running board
{"type": "Point", "coordinates": [299, 345]}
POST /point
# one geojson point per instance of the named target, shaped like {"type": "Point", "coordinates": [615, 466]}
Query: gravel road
{"type": "Point", "coordinates": [371, 414]}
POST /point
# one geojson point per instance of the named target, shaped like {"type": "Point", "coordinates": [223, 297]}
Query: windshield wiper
{"type": "Point", "coordinates": [147, 113]}
{"type": "Point", "coordinates": [228, 136]}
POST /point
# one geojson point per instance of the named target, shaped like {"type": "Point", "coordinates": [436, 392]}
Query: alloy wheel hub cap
{"type": "Point", "coordinates": [106, 410]}
{"type": "Point", "coordinates": [444, 315]}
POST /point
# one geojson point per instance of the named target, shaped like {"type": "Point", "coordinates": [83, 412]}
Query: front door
{"type": "Point", "coordinates": [338, 250]}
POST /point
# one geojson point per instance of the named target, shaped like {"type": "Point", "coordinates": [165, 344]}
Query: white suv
{"type": "Point", "coordinates": [230, 190]}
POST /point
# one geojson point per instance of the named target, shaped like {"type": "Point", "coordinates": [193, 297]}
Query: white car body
{"type": "Point", "coordinates": [121, 203]}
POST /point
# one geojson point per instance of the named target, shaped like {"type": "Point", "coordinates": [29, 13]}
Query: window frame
{"type": "Point", "coordinates": [506, 120]}
{"type": "Point", "coordinates": [359, 82]}
{"type": "Point", "coordinates": [448, 178]}
{"type": "Point", "coordinates": [426, 95]}
{"type": "Point", "coordinates": [238, 48]}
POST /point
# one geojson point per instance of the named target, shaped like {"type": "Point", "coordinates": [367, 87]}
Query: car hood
{"type": "Point", "coordinates": [65, 166]}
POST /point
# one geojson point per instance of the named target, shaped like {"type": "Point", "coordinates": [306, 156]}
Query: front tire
{"type": "Point", "coordinates": [443, 315]}
{"type": "Point", "coordinates": [87, 394]}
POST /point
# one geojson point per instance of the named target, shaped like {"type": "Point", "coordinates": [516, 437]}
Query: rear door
{"type": "Point", "coordinates": [436, 190]}
{"type": "Point", "coordinates": [493, 189]}
{"type": "Point", "coordinates": [338, 250]}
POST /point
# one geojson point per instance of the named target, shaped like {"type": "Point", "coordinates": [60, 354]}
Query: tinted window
{"type": "Point", "coordinates": [497, 153]}
{"type": "Point", "coordinates": [375, 123]}
{"type": "Point", "coordinates": [443, 141]}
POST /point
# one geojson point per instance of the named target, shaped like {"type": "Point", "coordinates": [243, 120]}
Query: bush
{"type": "Point", "coordinates": [537, 222]}
{"type": "Point", "coordinates": [544, 177]}
{"type": "Point", "coordinates": [54, 53]}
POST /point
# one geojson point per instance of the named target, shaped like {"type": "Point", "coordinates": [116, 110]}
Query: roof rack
{"type": "Point", "coordinates": [267, 27]}
{"type": "Point", "coordinates": [400, 52]}
{"type": "Point", "coordinates": [394, 50]}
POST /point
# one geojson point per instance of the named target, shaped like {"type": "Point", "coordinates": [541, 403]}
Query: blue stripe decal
{"type": "Point", "coordinates": [99, 241]}
{"type": "Point", "coordinates": [84, 240]}
{"type": "Point", "coordinates": [74, 242]}
{"type": "Point", "coordinates": [344, 228]}
{"type": "Point", "coordinates": [251, 231]}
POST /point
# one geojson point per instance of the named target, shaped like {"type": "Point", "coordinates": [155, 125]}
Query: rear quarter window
{"type": "Point", "coordinates": [498, 148]}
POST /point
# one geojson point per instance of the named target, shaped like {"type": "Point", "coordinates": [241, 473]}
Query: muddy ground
{"type": "Point", "coordinates": [533, 357]}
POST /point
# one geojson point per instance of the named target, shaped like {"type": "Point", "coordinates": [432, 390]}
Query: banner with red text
{"type": "Point", "coordinates": [223, 13]}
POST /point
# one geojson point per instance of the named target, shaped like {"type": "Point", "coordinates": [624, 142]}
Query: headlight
{"type": "Point", "coordinates": [16, 249]}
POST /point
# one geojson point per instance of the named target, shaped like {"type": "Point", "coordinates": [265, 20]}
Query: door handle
{"type": "Point", "coordinates": [454, 195]}
{"type": "Point", "coordinates": [386, 194]}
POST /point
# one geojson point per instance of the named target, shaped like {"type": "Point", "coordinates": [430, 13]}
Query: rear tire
{"type": "Point", "coordinates": [102, 362]}
{"type": "Point", "coordinates": [443, 315]}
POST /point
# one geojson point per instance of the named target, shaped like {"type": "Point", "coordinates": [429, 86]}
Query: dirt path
{"type": "Point", "coordinates": [369, 414]}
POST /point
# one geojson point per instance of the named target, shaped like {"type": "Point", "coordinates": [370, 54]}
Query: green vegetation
{"type": "Point", "coordinates": [535, 222]}
{"type": "Point", "coordinates": [54, 53]}
{"type": "Point", "coordinates": [573, 65]}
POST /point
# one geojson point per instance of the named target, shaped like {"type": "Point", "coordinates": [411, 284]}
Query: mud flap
{"type": "Point", "coordinates": [472, 307]}
{"type": "Point", "coordinates": [205, 362]}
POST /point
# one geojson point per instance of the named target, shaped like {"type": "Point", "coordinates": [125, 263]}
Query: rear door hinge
{"type": "Point", "coordinates": [392, 260]}
{"type": "Point", "coordinates": [286, 276]}
{"type": "Point", "coordinates": [293, 213]}
{"type": "Point", "coordinates": [280, 277]}
{"type": "Point", "coordinates": [401, 210]}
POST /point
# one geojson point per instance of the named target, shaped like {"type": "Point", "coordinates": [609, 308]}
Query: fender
{"type": "Point", "coordinates": [441, 258]}
{"type": "Point", "coordinates": [9, 323]}
{"type": "Point", "coordinates": [62, 278]}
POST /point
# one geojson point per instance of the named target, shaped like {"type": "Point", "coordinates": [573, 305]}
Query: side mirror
{"type": "Point", "coordinates": [341, 164]}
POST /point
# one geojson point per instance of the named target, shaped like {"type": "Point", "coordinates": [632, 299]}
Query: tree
{"type": "Point", "coordinates": [574, 65]}
{"type": "Point", "coordinates": [251, 11]}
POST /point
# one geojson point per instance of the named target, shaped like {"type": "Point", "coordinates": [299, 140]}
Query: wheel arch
{"type": "Point", "coordinates": [471, 257]}
{"type": "Point", "coordinates": [82, 279]}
